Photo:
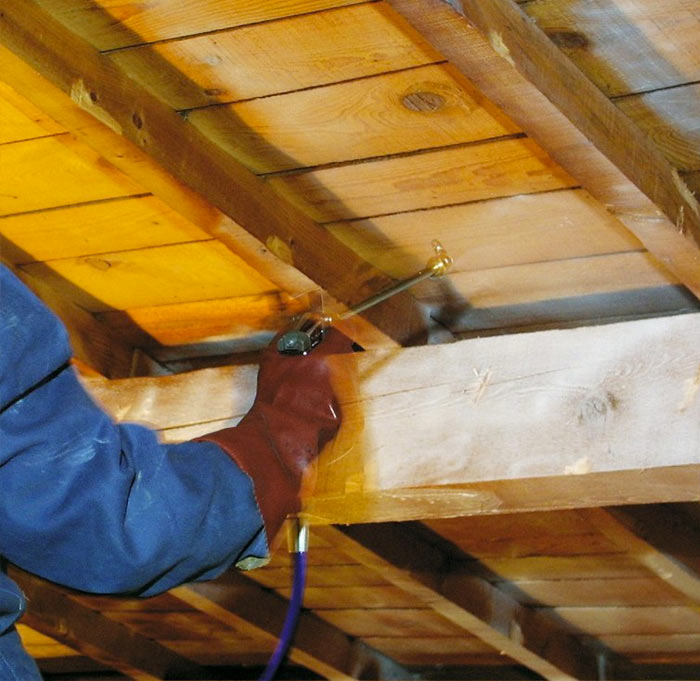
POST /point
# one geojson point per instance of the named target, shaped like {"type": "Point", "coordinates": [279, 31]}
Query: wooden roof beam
{"type": "Point", "coordinates": [53, 612]}
{"type": "Point", "coordinates": [102, 89]}
{"type": "Point", "coordinates": [318, 645]}
{"type": "Point", "coordinates": [420, 568]}
{"type": "Point", "coordinates": [425, 436]}
{"type": "Point", "coordinates": [516, 66]}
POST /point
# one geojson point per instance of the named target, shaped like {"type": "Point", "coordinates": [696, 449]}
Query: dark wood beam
{"type": "Point", "coordinates": [318, 645]}
{"type": "Point", "coordinates": [112, 97]}
{"type": "Point", "coordinates": [426, 571]}
{"type": "Point", "coordinates": [53, 612]}
{"type": "Point", "coordinates": [515, 65]}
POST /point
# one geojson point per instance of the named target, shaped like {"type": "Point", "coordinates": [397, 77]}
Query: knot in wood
{"type": "Point", "coordinates": [570, 40]}
{"type": "Point", "coordinates": [423, 101]}
{"type": "Point", "coordinates": [596, 407]}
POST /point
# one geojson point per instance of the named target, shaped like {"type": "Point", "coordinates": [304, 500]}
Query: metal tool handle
{"type": "Point", "coordinates": [307, 331]}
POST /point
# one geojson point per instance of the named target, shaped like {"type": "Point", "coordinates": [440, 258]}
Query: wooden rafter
{"type": "Point", "coordinates": [318, 645]}
{"type": "Point", "coordinates": [419, 567]}
{"type": "Point", "coordinates": [425, 437]}
{"type": "Point", "coordinates": [645, 533]}
{"type": "Point", "coordinates": [52, 612]}
{"type": "Point", "coordinates": [111, 96]}
{"type": "Point", "coordinates": [516, 66]}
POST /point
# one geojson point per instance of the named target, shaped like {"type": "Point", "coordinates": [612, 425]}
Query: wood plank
{"type": "Point", "coordinates": [417, 565]}
{"type": "Point", "coordinates": [56, 171]}
{"type": "Point", "coordinates": [109, 24]}
{"type": "Point", "coordinates": [302, 129]}
{"type": "Point", "coordinates": [428, 180]}
{"type": "Point", "coordinates": [274, 57]}
{"type": "Point", "coordinates": [77, 68]}
{"type": "Point", "coordinates": [19, 120]}
{"type": "Point", "coordinates": [344, 597]}
{"type": "Point", "coordinates": [521, 229]}
{"type": "Point", "coordinates": [670, 118]}
{"type": "Point", "coordinates": [39, 645]}
{"type": "Point", "coordinates": [625, 46]}
{"type": "Point", "coordinates": [651, 643]}
{"type": "Point", "coordinates": [645, 536]}
{"type": "Point", "coordinates": [457, 650]}
{"type": "Point", "coordinates": [52, 612]}
{"type": "Point", "coordinates": [517, 284]}
{"type": "Point", "coordinates": [580, 128]}
{"type": "Point", "coordinates": [626, 591]}
{"type": "Point", "coordinates": [248, 319]}
{"type": "Point", "coordinates": [152, 276]}
{"type": "Point", "coordinates": [641, 620]}
{"type": "Point", "coordinates": [235, 599]}
{"type": "Point", "coordinates": [579, 402]}
{"type": "Point", "coordinates": [102, 227]}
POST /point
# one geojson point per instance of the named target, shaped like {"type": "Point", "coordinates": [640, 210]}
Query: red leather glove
{"type": "Point", "coordinates": [294, 415]}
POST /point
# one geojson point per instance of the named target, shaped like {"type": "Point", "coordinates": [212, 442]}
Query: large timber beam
{"type": "Point", "coordinates": [101, 88]}
{"type": "Point", "coordinates": [587, 417]}
{"type": "Point", "coordinates": [53, 612]}
{"type": "Point", "coordinates": [515, 65]}
{"type": "Point", "coordinates": [418, 566]}
{"type": "Point", "coordinates": [318, 645]}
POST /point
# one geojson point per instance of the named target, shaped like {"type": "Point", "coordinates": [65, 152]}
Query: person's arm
{"type": "Point", "coordinates": [106, 508]}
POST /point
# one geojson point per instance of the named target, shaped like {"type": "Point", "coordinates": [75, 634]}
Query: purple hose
{"type": "Point", "coordinates": [290, 621]}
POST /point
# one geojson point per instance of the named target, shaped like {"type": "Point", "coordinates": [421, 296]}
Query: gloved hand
{"type": "Point", "coordinates": [294, 415]}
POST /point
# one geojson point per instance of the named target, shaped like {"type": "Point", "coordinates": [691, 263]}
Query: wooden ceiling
{"type": "Point", "coordinates": [179, 177]}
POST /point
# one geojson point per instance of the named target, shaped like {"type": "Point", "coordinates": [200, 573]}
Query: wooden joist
{"type": "Point", "coordinates": [426, 436]}
{"type": "Point", "coordinates": [318, 645]}
{"type": "Point", "coordinates": [118, 101]}
{"type": "Point", "coordinates": [53, 612]}
{"type": "Point", "coordinates": [516, 66]}
{"type": "Point", "coordinates": [420, 568]}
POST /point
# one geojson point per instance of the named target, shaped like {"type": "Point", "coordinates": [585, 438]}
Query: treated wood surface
{"type": "Point", "coordinates": [274, 57]}
{"type": "Point", "coordinates": [594, 119]}
{"type": "Point", "coordinates": [625, 46]}
{"type": "Point", "coordinates": [577, 401]}
{"type": "Point", "coordinates": [434, 178]}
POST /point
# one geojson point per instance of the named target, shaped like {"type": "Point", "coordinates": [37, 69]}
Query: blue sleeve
{"type": "Point", "coordinates": [98, 506]}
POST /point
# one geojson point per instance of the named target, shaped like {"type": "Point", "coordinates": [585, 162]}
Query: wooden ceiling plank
{"type": "Point", "coordinates": [470, 603]}
{"type": "Point", "coordinates": [441, 177]}
{"type": "Point", "coordinates": [52, 612]}
{"type": "Point", "coordinates": [580, 128]}
{"type": "Point", "coordinates": [116, 25]}
{"type": "Point", "coordinates": [644, 535]}
{"type": "Point", "coordinates": [275, 57]}
{"type": "Point", "coordinates": [353, 120]}
{"type": "Point", "coordinates": [318, 645]}
{"type": "Point", "coordinates": [582, 405]}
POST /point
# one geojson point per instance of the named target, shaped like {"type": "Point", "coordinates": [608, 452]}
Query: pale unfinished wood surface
{"type": "Point", "coordinates": [578, 403]}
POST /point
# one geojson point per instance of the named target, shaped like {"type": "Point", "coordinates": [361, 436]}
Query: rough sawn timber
{"type": "Point", "coordinates": [513, 63]}
{"type": "Point", "coordinates": [593, 416]}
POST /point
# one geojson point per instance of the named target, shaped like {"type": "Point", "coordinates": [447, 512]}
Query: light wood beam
{"type": "Point", "coordinates": [426, 572]}
{"type": "Point", "coordinates": [515, 65]}
{"type": "Point", "coordinates": [53, 612]}
{"type": "Point", "coordinates": [101, 88]}
{"type": "Point", "coordinates": [425, 435]}
{"type": "Point", "coordinates": [318, 645]}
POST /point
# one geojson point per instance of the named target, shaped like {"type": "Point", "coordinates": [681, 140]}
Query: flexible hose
{"type": "Point", "coordinates": [290, 621]}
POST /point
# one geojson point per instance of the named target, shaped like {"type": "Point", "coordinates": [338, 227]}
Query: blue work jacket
{"type": "Point", "coordinates": [94, 505]}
